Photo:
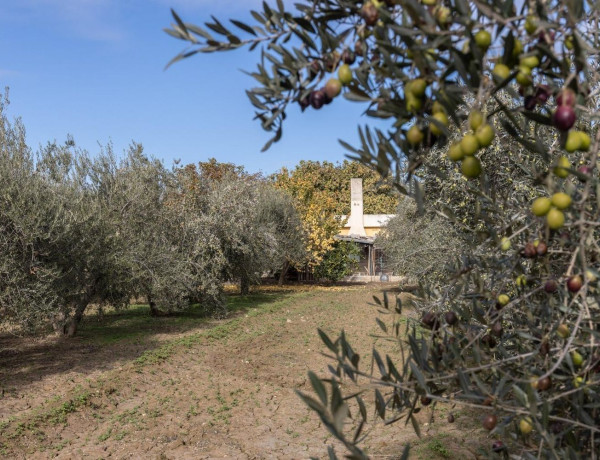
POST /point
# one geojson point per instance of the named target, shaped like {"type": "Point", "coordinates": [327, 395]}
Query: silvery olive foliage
{"type": "Point", "coordinates": [513, 332]}
{"type": "Point", "coordinates": [251, 221]}
{"type": "Point", "coordinates": [280, 222]}
{"type": "Point", "coordinates": [420, 246]}
{"type": "Point", "coordinates": [79, 230]}
{"type": "Point", "coordinates": [58, 239]}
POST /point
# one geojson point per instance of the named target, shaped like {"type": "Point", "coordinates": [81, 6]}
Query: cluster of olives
{"type": "Point", "coordinates": [481, 136]}
{"type": "Point", "coordinates": [552, 208]}
{"type": "Point", "coordinates": [563, 118]}
{"type": "Point", "coordinates": [527, 63]}
{"type": "Point", "coordinates": [574, 283]}
{"type": "Point", "coordinates": [325, 95]}
{"type": "Point", "coordinates": [414, 92]}
{"type": "Point", "coordinates": [534, 249]}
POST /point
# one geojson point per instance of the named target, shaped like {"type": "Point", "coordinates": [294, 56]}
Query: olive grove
{"type": "Point", "coordinates": [79, 230]}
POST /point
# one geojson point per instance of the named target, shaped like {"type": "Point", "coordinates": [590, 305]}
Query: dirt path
{"type": "Point", "coordinates": [217, 390]}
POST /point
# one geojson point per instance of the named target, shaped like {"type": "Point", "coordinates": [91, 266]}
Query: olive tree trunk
{"type": "Point", "coordinates": [283, 274]}
{"type": "Point", "coordinates": [244, 285]}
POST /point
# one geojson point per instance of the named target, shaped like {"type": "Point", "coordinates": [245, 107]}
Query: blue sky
{"type": "Point", "coordinates": [94, 69]}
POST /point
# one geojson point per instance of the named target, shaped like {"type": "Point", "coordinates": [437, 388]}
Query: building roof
{"type": "Point", "coordinates": [356, 238]}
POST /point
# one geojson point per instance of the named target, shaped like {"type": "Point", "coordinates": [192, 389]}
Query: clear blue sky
{"type": "Point", "coordinates": [94, 69]}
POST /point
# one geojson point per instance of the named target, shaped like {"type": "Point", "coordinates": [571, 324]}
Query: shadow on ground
{"type": "Point", "coordinates": [107, 338]}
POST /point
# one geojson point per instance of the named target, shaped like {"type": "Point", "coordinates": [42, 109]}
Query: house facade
{"type": "Point", "coordinates": [361, 228]}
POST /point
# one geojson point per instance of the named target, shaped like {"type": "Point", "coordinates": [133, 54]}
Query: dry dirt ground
{"type": "Point", "coordinates": [131, 386]}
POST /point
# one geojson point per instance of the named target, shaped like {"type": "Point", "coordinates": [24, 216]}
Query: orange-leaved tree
{"type": "Point", "coordinates": [321, 191]}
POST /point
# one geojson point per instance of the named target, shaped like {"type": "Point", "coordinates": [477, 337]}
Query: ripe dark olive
{"type": "Point", "coordinates": [304, 103]}
{"type": "Point", "coordinates": [489, 422]}
{"type": "Point", "coordinates": [327, 100]}
{"type": "Point", "coordinates": [544, 348]}
{"type": "Point", "coordinates": [551, 286]}
{"type": "Point", "coordinates": [348, 57]}
{"type": "Point", "coordinates": [529, 251]}
{"type": "Point", "coordinates": [584, 170]}
{"type": "Point", "coordinates": [330, 62]}
{"type": "Point", "coordinates": [430, 321]}
{"type": "Point", "coordinates": [574, 283]}
{"type": "Point", "coordinates": [542, 94]}
{"type": "Point", "coordinates": [530, 102]}
{"type": "Point", "coordinates": [451, 318]}
{"type": "Point", "coordinates": [544, 383]}
{"type": "Point", "coordinates": [425, 401]}
{"type": "Point", "coordinates": [564, 117]}
{"type": "Point", "coordinates": [315, 67]}
{"type": "Point", "coordinates": [369, 13]}
{"type": "Point", "coordinates": [498, 446]}
{"type": "Point", "coordinates": [450, 418]}
{"type": "Point", "coordinates": [566, 97]}
{"type": "Point", "coordinates": [542, 248]}
{"type": "Point", "coordinates": [497, 329]}
{"type": "Point", "coordinates": [488, 340]}
{"type": "Point", "coordinates": [358, 48]}
{"type": "Point", "coordinates": [317, 99]}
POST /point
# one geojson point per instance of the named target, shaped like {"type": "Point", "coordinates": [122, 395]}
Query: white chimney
{"type": "Point", "coordinates": [356, 208]}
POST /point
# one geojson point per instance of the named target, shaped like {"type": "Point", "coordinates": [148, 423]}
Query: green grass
{"type": "Point", "coordinates": [253, 305]}
{"type": "Point", "coordinates": [134, 324]}
{"type": "Point", "coordinates": [436, 447]}
{"type": "Point", "coordinates": [104, 436]}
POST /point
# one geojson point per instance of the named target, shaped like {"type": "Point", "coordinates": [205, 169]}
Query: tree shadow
{"type": "Point", "coordinates": [109, 338]}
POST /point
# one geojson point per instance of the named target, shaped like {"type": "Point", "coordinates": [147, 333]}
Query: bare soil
{"type": "Point", "coordinates": [176, 388]}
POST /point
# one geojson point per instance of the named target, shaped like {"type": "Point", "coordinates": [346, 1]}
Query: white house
{"type": "Point", "coordinates": [362, 228]}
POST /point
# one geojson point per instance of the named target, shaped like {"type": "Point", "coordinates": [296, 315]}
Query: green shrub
{"type": "Point", "coordinates": [338, 262]}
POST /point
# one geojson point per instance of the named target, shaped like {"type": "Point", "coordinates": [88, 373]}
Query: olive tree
{"type": "Point", "coordinates": [422, 247]}
{"type": "Point", "coordinates": [279, 219]}
{"type": "Point", "coordinates": [26, 295]}
{"type": "Point", "coordinates": [60, 247]}
{"type": "Point", "coordinates": [513, 332]}
{"type": "Point", "coordinates": [252, 228]}
{"type": "Point", "coordinates": [163, 269]}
